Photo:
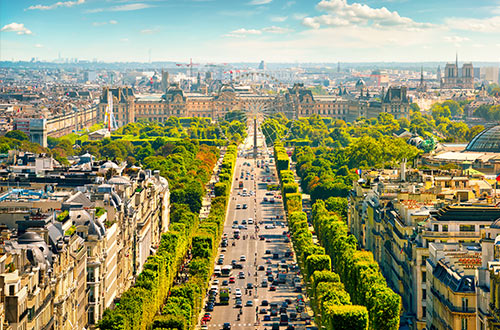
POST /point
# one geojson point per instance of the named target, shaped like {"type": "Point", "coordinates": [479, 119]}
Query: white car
{"type": "Point", "coordinates": [237, 293]}
{"type": "Point", "coordinates": [215, 282]}
{"type": "Point", "coordinates": [243, 258]}
{"type": "Point", "coordinates": [250, 221]}
{"type": "Point", "coordinates": [269, 227]}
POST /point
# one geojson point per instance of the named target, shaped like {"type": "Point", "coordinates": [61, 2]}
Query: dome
{"type": "Point", "coordinates": [361, 83]}
{"type": "Point", "coordinates": [496, 225]}
{"type": "Point", "coordinates": [119, 180]}
{"type": "Point", "coordinates": [227, 88]}
{"type": "Point", "coordinates": [486, 141]}
{"type": "Point", "coordinates": [29, 237]}
{"type": "Point", "coordinates": [109, 164]}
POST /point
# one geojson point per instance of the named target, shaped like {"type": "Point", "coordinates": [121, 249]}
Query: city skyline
{"type": "Point", "coordinates": [250, 30]}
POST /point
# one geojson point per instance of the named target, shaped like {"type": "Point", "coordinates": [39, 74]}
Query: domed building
{"type": "Point", "coordinates": [482, 153]}
{"type": "Point", "coordinates": [486, 141]}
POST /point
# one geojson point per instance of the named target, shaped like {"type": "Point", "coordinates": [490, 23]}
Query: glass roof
{"type": "Point", "coordinates": [486, 141]}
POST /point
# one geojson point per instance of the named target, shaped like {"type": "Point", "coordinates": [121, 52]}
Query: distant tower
{"type": "Point", "coordinates": [338, 66]}
{"type": "Point", "coordinates": [198, 79]}
{"type": "Point", "coordinates": [164, 80]}
{"type": "Point", "coordinates": [456, 62]}
{"type": "Point", "coordinates": [262, 65]}
{"type": "Point", "coordinates": [438, 74]}
{"type": "Point", "coordinates": [421, 86]}
{"type": "Point", "coordinates": [208, 76]}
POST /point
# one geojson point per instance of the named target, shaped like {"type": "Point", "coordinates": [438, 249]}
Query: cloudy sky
{"type": "Point", "coordinates": [251, 30]}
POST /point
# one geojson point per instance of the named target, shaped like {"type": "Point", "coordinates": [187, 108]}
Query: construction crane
{"type": "Point", "coordinates": [189, 65]}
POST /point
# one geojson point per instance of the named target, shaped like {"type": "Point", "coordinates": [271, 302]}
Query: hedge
{"type": "Point", "coordinates": [328, 295]}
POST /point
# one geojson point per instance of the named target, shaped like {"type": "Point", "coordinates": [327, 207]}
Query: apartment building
{"type": "Point", "coordinates": [398, 214]}
{"type": "Point", "coordinates": [70, 252]}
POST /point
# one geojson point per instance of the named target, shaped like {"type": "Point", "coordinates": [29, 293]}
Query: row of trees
{"type": "Point", "coordinates": [327, 172]}
{"type": "Point", "coordinates": [139, 305]}
{"type": "Point", "coordinates": [318, 131]}
{"type": "Point", "coordinates": [231, 127]}
{"type": "Point", "coordinates": [357, 269]}
{"type": "Point", "coordinates": [185, 301]}
{"type": "Point", "coordinates": [330, 301]}
{"type": "Point", "coordinates": [357, 278]}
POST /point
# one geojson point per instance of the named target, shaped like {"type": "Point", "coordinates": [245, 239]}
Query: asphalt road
{"type": "Point", "coordinates": [253, 248]}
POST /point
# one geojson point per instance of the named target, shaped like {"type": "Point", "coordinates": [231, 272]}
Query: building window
{"type": "Point", "coordinates": [12, 289]}
{"type": "Point", "coordinates": [468, 228]}
{"type": "Point", "coordinates": [465, 304]}
{"type": "Point", "coordinates": [464, 324]}
{"type": "Point", "coordinates": [444, 228]}
{"type": "Point", "coordinates": [436, 227]}
{"type": "Point", "coordinates": [424, 277]}
{"type": "Point", "coordinates": [424, 312]}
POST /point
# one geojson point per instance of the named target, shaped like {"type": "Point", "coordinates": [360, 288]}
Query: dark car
{"type": "Point", "coordinates": [267, 317]}
{"type": "Point", "coordinates": [284, 319]}
{"type": "Point", "coordinates": [249, 285]}
{"type": "Point", "coordinates": [225, 283]}
{"type": "Point", "coordinates": [261, 267]}
{"type": "Point", "coordinates": [276, 326]}
{"type": "Point", "coordinates": [263, 311]}
{"type": "Point", "coordinates": [282, 310]}
{"type": "Point", "coordinates": [293, 316]}
{"type": "Point", "coordinates": [210, 308]}
{"type": "Point", "coordinates": [237, 266]}
{"type": "Point", "coordinates": [264, 303]}
{"type": "Point", "coordinates": [226, 326]}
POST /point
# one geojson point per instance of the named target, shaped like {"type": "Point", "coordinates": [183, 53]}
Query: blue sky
{"type": "Point", "coordinates": [251, 30]}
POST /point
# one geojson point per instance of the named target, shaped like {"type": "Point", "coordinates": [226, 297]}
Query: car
{"type": "Point", "coordinates": [220, 261]}
{"type": "Point", "coordinates": [269, 226]}
{"type": "Point", "coordinates": [226, 326]}
{"type": "Point", "coordinates": [238, 304]}
{"type": "Point", "coordinates": [243, 258]}
{"type": "Point", "coordinates": [204, 327]}
{"type": "Point", "coordinates": [268, 240]}
{"type": "Point", "coordinates": [238, 206]}
{"type": "Point", "coordinates": [231, 279]}
{"type": "Point", "coordinates": [268, 252]}
{"type": "Point", "coordinates": [282, 310]}
{"type": "Point", "coordinates": [261, 267]}
{"type": "Point", "coordinates": [241, 275]}
{"type": "Point", "coordinates": [249, 285]}
{"type": "Point", "coordinates": [264, 302]}
{"type": "Point", "coordinates": [250, 221]}
{"type": "Point", "coordinates": [274, 312]}
{"type": "Point", "coordinates": [242, 227]}
{"type": "Point", "coordinates": [210, 308]}
{"type": "Point", "coordinates": [272, 288]}
{"type": "Point", "coordinates": [237, 291]}
{"type": "Point", "coordinates": [238, 266]}
{"type": "Point", "coordinates": [268, 262]}
{"type": "Point", "coordinates": [264, 284]}
{"type": "Point", "coordinates": [207, 317]}
{"type": "Point", "coordinates": [225, 283]}
{"type": "Point", "coordinates": [269, 193]}
{"type": "Point", "coordinates": [243, 222]}
{"type": "Point", "coordinates": [267, 317]}
{"type": "Point", "coordinates": [263, 311]}
{"type": "Point", "coordinates": [234, 226]}
{"type": "Point", "coordinates": [245, 206]}
{"type": "Point", "coordinates": [215, 282]}
{"type": "Point", "coordinates": [288, 301]}
{"type": "Point", "coordinates": [262, 238]}
{"type": "Point", "coordinates": [249, 303]}
{"type": "Point", "coordinates": [223, 249]}
{"type": "Point", "coordinates": [293, 316]}
{"type": "Point", "coordinates": [235, 222]}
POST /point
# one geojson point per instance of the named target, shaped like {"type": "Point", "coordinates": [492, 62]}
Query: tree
{"type": "Point", "coordinates": [17, 134]}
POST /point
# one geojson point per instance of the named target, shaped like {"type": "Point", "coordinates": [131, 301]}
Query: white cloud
{"type": "Point", "coordinates": [56, 5]}
{"type": "Point", "coordinates": [491, 24]}
{"type": "Point", "coordinates": [127, 7]}
{"type": "Point", "coordinates": [279, 18]}
{"type": "Point", "coordinates": [276, 29]}
{"type": "Point", "coordinates": [150, 31]}
{"type": "Point", "coordinates": [124, 39]}
{"type": "Point", "coordinates": [104, 23]}
{"type": "Point", "coordinates": [19, 28]}
{"type": "Point", "coordinates": [456, 39]}
{"type": "Point", "coordinates": [38, 46]}
{"type": "Point", "coordinates": [340, 13]}
{"type": "Point", "coordinates": [260, 2]}
{"type": "Point", "coordinates": [288, 4]}
{"type": "Point", "coordinates": [241, 33]}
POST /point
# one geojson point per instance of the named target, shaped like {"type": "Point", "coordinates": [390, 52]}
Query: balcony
{"type": "Point", "coordinates": [452, 308]}
{"type": "Point", "coordinates": [450, 234]}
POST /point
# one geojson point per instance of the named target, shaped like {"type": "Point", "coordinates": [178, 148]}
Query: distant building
{"type": "Point", "coordinates": [489, 74]}
{"type": "Point", "coordinates": [262, 65]}
{"type": "Point", "coordinates": [458, 79]}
